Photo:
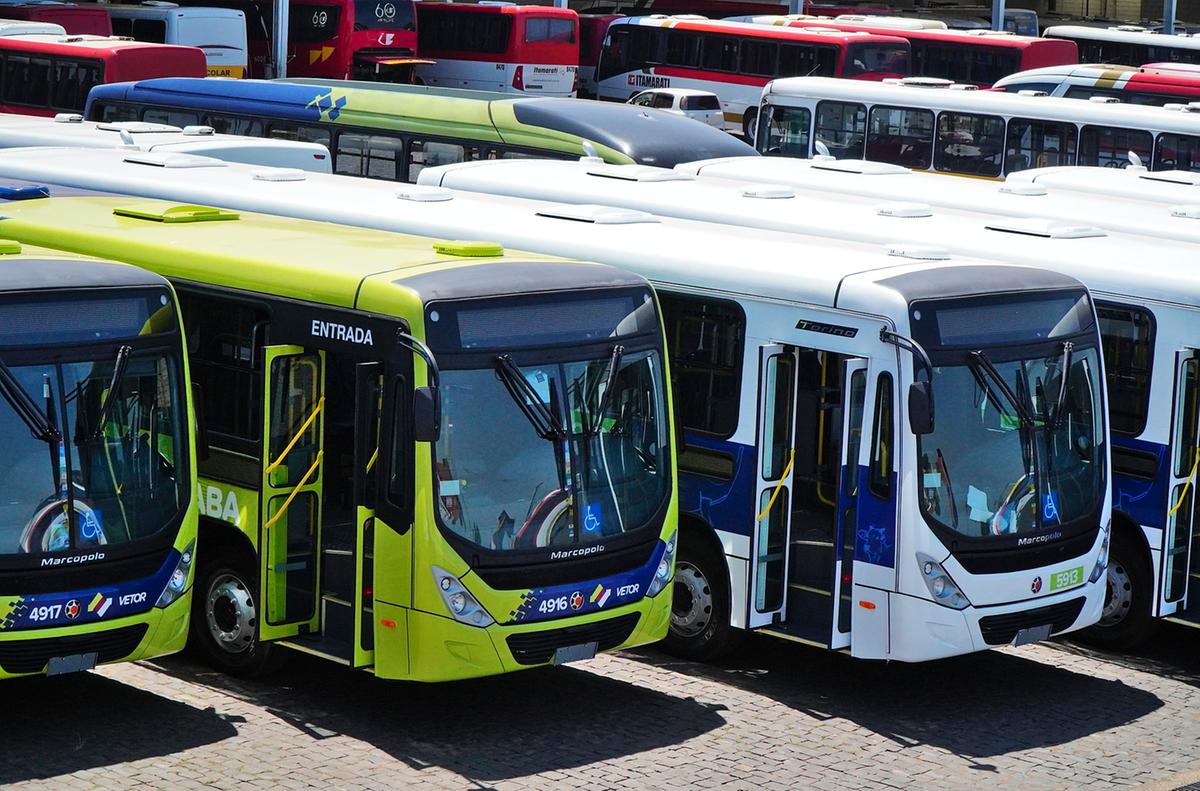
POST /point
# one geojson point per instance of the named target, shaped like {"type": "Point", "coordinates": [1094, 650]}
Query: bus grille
{"type": "Point", "coordinates": [32, 656]}
{"type": "Point", "coordinates": [1001, 629]}
{"type": "Point", "coordinates": [535, 648]}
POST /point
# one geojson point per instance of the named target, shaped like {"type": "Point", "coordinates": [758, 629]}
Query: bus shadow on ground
{"type": "Point", "coordinates": [1173, 652]}
{"type": "Point", "coordinates": [56, 726]}
{"type": "Point", "coordinates": [490, 729]}
{"type": "Point", "coordinates": [975, 706]}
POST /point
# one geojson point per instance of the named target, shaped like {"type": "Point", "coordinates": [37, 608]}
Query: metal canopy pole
{"type": "Point", "coordinates": [279, 37]}
{"type": "Point", "coordinates": [1169, 17]}
{"type": "Point", "coordinates": [998, 14]}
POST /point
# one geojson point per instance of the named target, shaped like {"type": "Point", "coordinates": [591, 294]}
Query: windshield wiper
{"type": "Point", "coordinates": [21, 403]}
{"type": "Point", "coordinates": [614, 362]}
{"type": "Point", "coordinates": [1064, 381]}
{"type": "Point", "coordinates": [982, 360]}
{"type": "Point", "coordinates": [114, 386]}
{"type": "Point", "coordinates": [527, 399]}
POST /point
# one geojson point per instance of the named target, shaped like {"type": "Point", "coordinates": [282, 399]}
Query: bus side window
{"type": "Point", "coordinates": [151, 30]}
{"type": "Point", "coordinates": [27, 81]}
{"type": "Point", "coordinates": [1127, 338]}
{"type": "Point", "coordinates": [72, 81]}
{"type": "Point", "coordinates": [430, 153]}
{"type": "Point", "coordinates": [683, 48]}
{"type": "Point", "coordinates": [970, 144]}
{"type": "Point", "coordinates": [1109, 146]}
{"type": "Point", "coordinates": [304, 134]}
{"type": "Point", "coordinates": [705, 342]}
{"type": "Point", "coordinates": [785, 134]}
{"type": "Point", "coordinates": [759, 57]}
{"type": "Point", "coordinates": [1177, 152]}
{"type": "Point", "coordinates": [1038, 144]}
{"type": "Point", "coordinates": [373, 156]}
{"type": "Point", "coordinates": [157, 115]}
{"type": "Point", "coordinates": [902, 136]}
{"type": "Point", "coordinates": [842, 127]}
{"type": "Point", "coordinates": [882, 440]}
{"type": "Point", "coordinates": [235, 125]}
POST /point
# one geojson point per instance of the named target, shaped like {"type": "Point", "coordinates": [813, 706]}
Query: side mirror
{"type": "Point", "coordinates": [427, 414]}
{"type": "Point", "coordinates": [201, 424]}
{"type": "Point", "coordinates": [920, 408]}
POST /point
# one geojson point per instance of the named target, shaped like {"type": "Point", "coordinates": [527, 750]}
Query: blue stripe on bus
{"type": "Point", "coordinates": [724, 505]}
{"type": "Point", "coordinates": [875, 530]}
{"type": "Point", "coordinates": [254, 97]}
{"type": "Point", "coordinates": [1141, 499]}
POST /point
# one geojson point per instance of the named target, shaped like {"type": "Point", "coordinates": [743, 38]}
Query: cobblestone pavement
{"type": "Point", "coordinates": [775, 716]}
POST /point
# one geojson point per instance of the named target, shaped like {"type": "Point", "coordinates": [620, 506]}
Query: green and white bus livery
{"type": "Point", "coordinates": [508, 501]}
{"type": "Point", "coordinates": [97, 511]}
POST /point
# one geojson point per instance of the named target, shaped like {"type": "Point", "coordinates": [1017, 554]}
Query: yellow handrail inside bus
{"type": "Point", "coordinates": [778, 486]}
{"type": "Point", "coordinates": [316, 411]}
{"type": "Point", "coordinates": [1191, 477]}
{"type": "Point", "coordinates": [295, 491]}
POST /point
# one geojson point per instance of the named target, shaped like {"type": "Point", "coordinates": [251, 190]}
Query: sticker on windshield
{"type": "Point", "coordinates": [932, 480]}
{"type": "Point", "coordinates": [1050, 508]}
{"type": "Point", "coordinates": [977, 502]}
{"type": "Point", "coordinates": [591, 518]}
{"type": "Point", "coordinates": [540, 383]}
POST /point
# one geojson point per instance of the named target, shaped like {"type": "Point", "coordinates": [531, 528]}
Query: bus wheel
{"type": "Point", "coordinates": [700, 627]}
{"type": "Point", "coordinates": [750, 124]}
{"type": "Point", "coordinates": [1125, 621]}
{"type": "Point", "coordinates": [225, 620]}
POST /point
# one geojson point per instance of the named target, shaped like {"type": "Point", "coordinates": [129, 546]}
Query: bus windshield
{"type": "Point", "coordinates": [553, 455]}
{"type": "Point", "coordinates": [93, 436]}
{"type": "Point", "coordinates": [384, 15]}
{"type": "Point", "coordinates": [1018, 445]}
{"type": "Point", "coordinates": [882, 60]}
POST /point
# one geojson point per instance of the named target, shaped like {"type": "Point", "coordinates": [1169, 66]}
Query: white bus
{"type": "Point", "coordinates": [821, 505]}
{"type": "Point", "coordinates": [1127, 44]}
{"type": "Point", "coordinates": [220, 32]}
{"type": "Point", "coordinates": [69, 129]}
{"type": "Point", "coordinates": [939, 126]}
{"type": "Point", "coordinates": [1150, 323]}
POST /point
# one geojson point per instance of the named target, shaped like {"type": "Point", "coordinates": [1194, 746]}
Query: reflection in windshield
{"type": "Point", "coordinates": [505, 483]}
{"type": "Point", "coordinates": [1005, 457]}
{"type": "Point", "coordinates": [118, 472]}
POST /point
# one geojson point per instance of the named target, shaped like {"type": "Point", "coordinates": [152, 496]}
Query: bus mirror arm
{"type": "Point", "coordinates": [427, 401]}
{"type": "Point", "coordinates": [920, 394]}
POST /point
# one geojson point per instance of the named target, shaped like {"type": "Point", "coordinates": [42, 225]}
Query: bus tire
{"type": "Point", "coordinates": [225, 618]}
{"type": "Point", "coordinates": [1126, 620]}
{"type": "Point", "coordinates": [700, 627]}
{"type": "Point", "coordinates": [750, 124]}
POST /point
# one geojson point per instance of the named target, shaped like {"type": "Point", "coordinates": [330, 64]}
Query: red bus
{"type": "Point", "coordinates": [90, 20]}
{"type": "Point", "coordinates": [1155, 83]}
{"type": "Point", "coordinates": [735, 60]}
{"type": "Point", "coordinates": [499, 47]}
{"type": "Point", "coordinates": [44, 75]}
{"type": "Point", "coordinates": [372, 40]}
{"type": "Point", "coordinates": [975, 57]}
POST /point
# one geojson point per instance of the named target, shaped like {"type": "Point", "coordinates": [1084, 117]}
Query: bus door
{"type": "Point", "coordinates": [1180, 529]}
{"type": "Point", "coordinates": [854, 383]}
{"type": "Point", "coordinates": [772, 505]}
{"type": "Point", "coordinates": [293, 435]}
{"type": "Point", "coordinates": [368, 395]}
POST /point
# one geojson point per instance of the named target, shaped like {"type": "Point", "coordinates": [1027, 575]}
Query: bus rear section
{"type": "Point", "coordinates": [508, 48]}
{"type": "Point", "coordinates": [98, 497]}
{"type": "Point", "coordinates": [90, 20]}
{"type": "Point", "coordinates": [1152, 84]}
{"type": "Point", "coordinates": [735, 60]}
{"type": "Point", "coordinates": [352, 39]}
{"type": "Point", "coordinates": [219, 32]}
{"type": "Point", "coordinates": [593, 28]}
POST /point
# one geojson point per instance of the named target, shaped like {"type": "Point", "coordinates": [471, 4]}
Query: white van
{"type": "Point", "coordinates": [220, 32]}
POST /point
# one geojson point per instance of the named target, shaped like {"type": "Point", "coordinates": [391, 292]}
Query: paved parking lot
{"type": "Point", "coordinates": [775, 716]}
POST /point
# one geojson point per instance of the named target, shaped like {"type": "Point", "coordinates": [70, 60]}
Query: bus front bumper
{"type": "Point", "coordinates": [153, 633]}
{"type": "Point", "coordinates": [442, 649]}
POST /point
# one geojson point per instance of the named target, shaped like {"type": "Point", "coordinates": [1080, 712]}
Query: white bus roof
{"type": "Point", "coordinates": [69, 129]}
{"type": "Point", "coordinates": [886, 182]}
{"type": "Point", "coordinates": [1097, 70]}
{"type": "Point", "coordinates": [1178, 189]}
{"type": "Point", "coordinates": [1129, 34]}
{"type": "Point", "coordinates": [1055, 108]}
{"type": "Point", "coordinates": [172, 10]}
{"type": "Point", "coordinates": [15, 27]}
{"type": "Point", "coordinates": [689, 255]}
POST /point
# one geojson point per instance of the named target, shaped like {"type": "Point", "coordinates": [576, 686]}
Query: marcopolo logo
{"type": "Point", "coordinates": [577, 553]}
{"type": "Point", "coordinates": [341, 332]}
{"type": "Point", "coordinates": [74, 559]}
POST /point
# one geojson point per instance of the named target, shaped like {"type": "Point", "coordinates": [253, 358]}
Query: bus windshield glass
{"type": "Point", "coordinates": [884, 60]}
{"type": "Point", "coordinates": [1018, 445]}
{"type": "Point", "coordinates": [384, 15]}
{"type": "Point", "coordinates": [93, 431]}
{"type": "Point", "coordinates": [550, 449]}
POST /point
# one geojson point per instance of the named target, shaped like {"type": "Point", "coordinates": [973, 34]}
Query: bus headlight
{"type": "Point", "coordinates": [942, 587]}
{"type": "Point", "coordinates": [462, 605]}
{"type": "Point", "coordinates": [666, 568]}
{"type": "Point", "coordinates": [1102, 559]}
{"type": "Point", "coordinates": [177, 582]}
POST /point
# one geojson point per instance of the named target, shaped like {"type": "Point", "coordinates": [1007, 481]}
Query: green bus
{"type": "Point", "coordinates": [98, 510]}
{"type": "Point", "coordinates": [435, 460]}
{"type": "Point", "coordinates": [386, 131]}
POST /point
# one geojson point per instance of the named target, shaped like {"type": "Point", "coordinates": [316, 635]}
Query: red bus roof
{"type": "Point", "coordinates": [133, 60]}
{"type": "Point", "coordinates": [751, 30]}
{"type": "Point", "coordinates": [989, 38]}
{"type": "Point", "coordinates": [518, 10]}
